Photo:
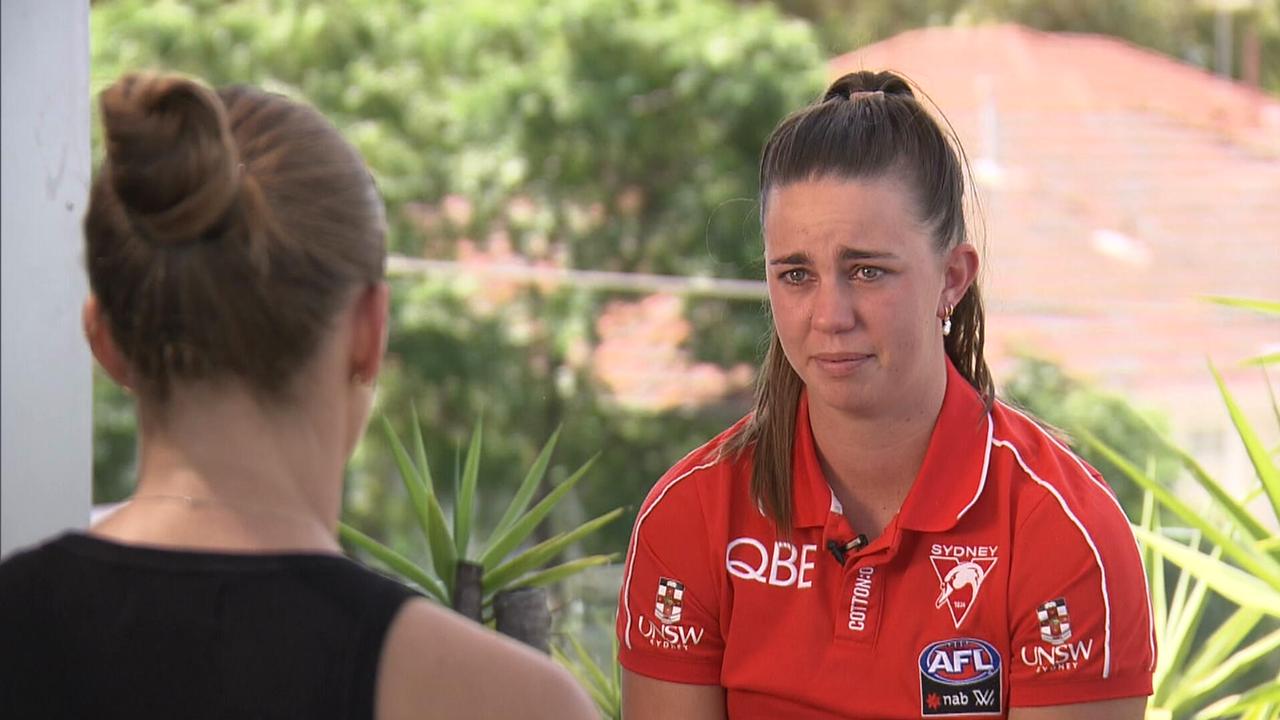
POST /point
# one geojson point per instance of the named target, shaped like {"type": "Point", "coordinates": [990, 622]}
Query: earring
{"type": "Point", "coordinates": [946, 320]}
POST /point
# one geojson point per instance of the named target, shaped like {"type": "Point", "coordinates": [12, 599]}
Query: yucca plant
{"type": "Point", "coordinates": [604, 684]}
{"type": "Point", "coordinates": [499, 564]}
{"type": "Point", "coordinates": [1223, 548]}
{"type": "Point", "coordinates": [1190, 675]}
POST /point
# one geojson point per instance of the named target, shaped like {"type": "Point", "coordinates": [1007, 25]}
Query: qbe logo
{"type": "Point", "coordinates": [783, 566]}
{"type": "Point", "coordinates": [960, 676]}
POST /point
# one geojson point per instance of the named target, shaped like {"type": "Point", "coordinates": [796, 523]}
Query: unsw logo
{"type": "Point", "coordinates": [1055, 629]}
{"type": "Point", "coordinates": [1055, 622]}
{"type": "Point", "coordinates": [669, 637]}
{"type": "Point", "coordinates": [670, 604]}
{"type": "Point", "coordinates": [1056, 658]}
{"type": "Point", "coordinates": [960, 676]}
{"type": "Point", "coordinates": [961, 570]}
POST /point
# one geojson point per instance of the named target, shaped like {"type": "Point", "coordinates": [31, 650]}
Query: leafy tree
{"type": "Point", "coordinates": [509, 367]}
{"type": "Point", "coordinates": [621, 126]}
{"type": "Point", "coordinates": [1069, 405]}
{"type": "Point", "coordinates": [114, 441]}
{"type": "Point", "coordinates": [583, 133]}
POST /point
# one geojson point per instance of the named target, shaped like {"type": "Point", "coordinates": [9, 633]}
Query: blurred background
{"type": "Point", "coordinates": [571, 191]}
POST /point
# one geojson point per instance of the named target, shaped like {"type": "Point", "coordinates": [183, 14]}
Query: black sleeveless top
{"type": "Point", "coordinates": [94, 629]}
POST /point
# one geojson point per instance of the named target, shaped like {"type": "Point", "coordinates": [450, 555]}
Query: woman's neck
{"type": "Point", "coordinates": [218, 470]}
{"type": "Point", "coordinates": [871, 462]}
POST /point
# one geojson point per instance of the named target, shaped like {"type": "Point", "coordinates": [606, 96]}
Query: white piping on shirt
{"type": "Point", "coordinates": [986, 463]}
{"type": "Point", "coordinates": [1151, 618]}
{"type": "Point", "coordinates": [1106, 599]}
{"type": "Point", "coordinates": [635, 537]}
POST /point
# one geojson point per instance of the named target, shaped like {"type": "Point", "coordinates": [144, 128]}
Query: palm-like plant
{"type": "Point", "coordinates": [604, 684]}
{"type": "Point", "coordinates": [499, 564]}
{"type": "Point", "coordinates": [1241, 563]}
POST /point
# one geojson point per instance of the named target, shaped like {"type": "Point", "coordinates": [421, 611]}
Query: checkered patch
{"type": "Point", "coordinates": [670, 605]}
{"type": "Point", "coordinates": [1055, 624]}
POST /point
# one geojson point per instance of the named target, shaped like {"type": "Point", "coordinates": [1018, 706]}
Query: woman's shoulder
{"type": "Point", "coordinates": [1034, 444]}
{"type": "Point", "coordinates": [434, 658]}
{"type": "Point", "coordinates": [24, 571]}
{"type": "Point", "coordinates": [31, 570]}
{"type": "Point", "coordinates": [1044, 471]}
{"type": "Point", "coordinates": [710, 471]}
{"type": "Point", "coordinates": [73, 562]}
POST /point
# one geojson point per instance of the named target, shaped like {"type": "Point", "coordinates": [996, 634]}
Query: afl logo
{"type": "Point", "coordinates": [960, 661]}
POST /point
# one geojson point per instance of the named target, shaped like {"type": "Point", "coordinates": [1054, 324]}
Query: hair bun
{"type": "Point", "coordinates": [863, 82]}
{"type": "Point", "coordinates": [170, 157]}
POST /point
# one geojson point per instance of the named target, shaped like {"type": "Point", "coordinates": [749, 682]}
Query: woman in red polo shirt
{"type": "Point", "coordinates": [880, 538]}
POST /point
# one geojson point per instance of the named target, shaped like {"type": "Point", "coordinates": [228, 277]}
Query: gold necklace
{"type": "Point", "coordinates": [200, 502]}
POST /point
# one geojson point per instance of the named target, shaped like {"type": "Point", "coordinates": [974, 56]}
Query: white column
{"type": "Point", "coordinates": [45, 368]}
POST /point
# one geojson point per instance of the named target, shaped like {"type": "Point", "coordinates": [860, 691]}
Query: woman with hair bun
{"type": "Point", "coordinates": [880, 537]}
{"type": "Point", "coordinates": [235, 246]}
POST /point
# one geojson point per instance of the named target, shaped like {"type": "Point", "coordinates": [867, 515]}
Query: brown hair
{"type": "Point", "coordinates": [225, 230]}
{"type": "Point", "coordinates": [867, 125]}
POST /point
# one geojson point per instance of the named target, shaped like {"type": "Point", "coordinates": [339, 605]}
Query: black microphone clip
{"type": "Point", "coordinates": [840, 551]}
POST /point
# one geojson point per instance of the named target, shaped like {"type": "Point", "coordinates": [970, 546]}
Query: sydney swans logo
{"type": "Point", "coordinates": [961, 570]}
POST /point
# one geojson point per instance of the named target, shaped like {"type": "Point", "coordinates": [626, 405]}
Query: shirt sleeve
{"type": "Point", "coordinates": [668, 609]}
{"type": "Point", "coordinates": [1080, 611]}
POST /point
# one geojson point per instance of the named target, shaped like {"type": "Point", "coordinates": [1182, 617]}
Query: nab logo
{"type": "Point", "coordinates": [960, 677]}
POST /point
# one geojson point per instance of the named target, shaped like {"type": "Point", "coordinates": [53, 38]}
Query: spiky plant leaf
{"type": "Point", "coordinates": [528, 486]}
{"type": "Point", "coordinates": [395, 561]}
{"type": "Point", "coordinates": [464, 504]}
{"type": "Point", "coordinates": [543, 552]}
{"type": "Point", "coordinates": [560, 572]}
{"type": "Point", "coordinates": [1262, 565]}
{"type": "Point", "coordinates": [524, 526]}
{"type": "Point", "coordinates": [1263, 464]}
{"type": "Point", "coordinates": [1232, 583]}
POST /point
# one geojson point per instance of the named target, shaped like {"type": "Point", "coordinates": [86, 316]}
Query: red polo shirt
{"type": "Point", "coordinates": [1010, 577]}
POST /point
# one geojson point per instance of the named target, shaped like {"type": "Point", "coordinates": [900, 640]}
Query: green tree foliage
{"type": "Point", "coordinates": [649, 113]}
{"type": "Point", "coordinates": [597, 134]}
{"type": "Point", "coordinates": [511, 368]}
{"type": "Point", "coordinates": [114, 441]}
{"type": "Point", "coordinates": [1068, 405]}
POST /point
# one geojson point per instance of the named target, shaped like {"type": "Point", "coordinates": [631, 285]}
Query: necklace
{"type": "Point", "coordinates": [203, 502]}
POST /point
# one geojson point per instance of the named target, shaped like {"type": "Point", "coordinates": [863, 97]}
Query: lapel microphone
{"type": "Point", "coordinates": [840, 551]}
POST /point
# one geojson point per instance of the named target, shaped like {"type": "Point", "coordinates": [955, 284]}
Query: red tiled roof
{"type": "Point", "coordinates": [1025, 70]}
{"type": "Point", "coordinates": [1118, 186]}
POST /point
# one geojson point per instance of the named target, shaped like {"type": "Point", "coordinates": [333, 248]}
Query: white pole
{"type": "Point", "coordinates": [47, 423]}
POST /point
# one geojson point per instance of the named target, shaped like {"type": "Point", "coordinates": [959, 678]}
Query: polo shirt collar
{"type": "Point", "coordinates": [950, 481]}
